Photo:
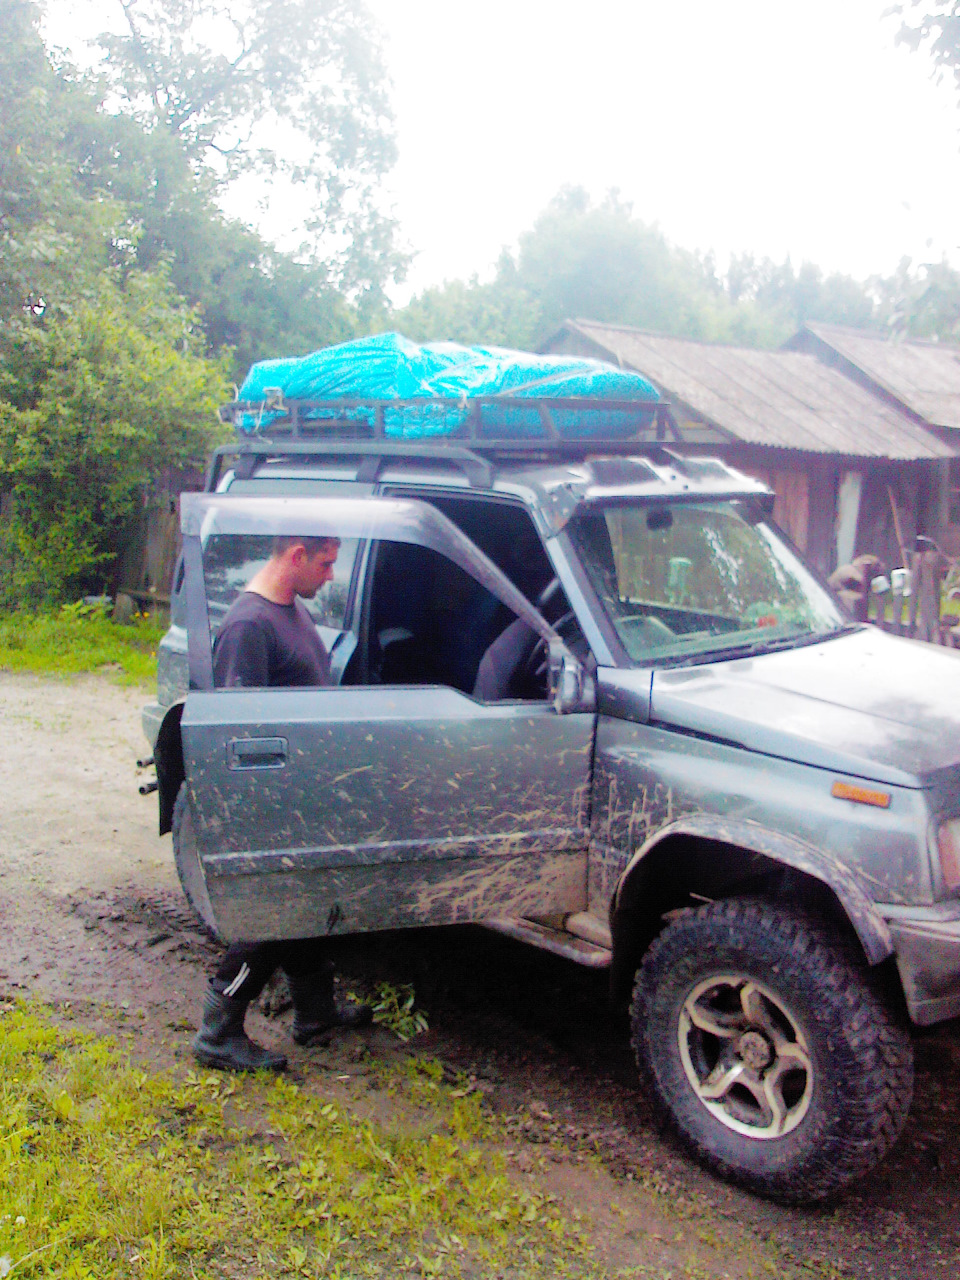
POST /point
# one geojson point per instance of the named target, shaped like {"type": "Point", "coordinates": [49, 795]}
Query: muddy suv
{"type": "Point", "coordinates": [587, 695]}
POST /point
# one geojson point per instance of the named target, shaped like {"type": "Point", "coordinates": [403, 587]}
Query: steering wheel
{"type": "Point", "coordinates": [547, 596]}
{"type": "Point", "coordinates": [566, 626]}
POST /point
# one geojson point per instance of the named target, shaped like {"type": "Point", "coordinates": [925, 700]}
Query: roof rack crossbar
{"type": "Point", "coordinates": [372, 455]}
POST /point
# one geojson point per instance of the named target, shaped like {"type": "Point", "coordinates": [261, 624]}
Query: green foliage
{"type": "Point", "coordinates": [790, 297]}
{"type": "Point", "coordinates": [394, 1009]}
{"type": "Point", "coordinates": [924, 301]}
{"type": "Point", "coordinates": [933, 26]}
{"type": "Point", "coordinates": [94, 404]}
{"type": "Point", "coordinates": [249, 295]}
{"type": "Point", "coordinates": [84, 186]}
{"type": "Point", "coordinates": [226, 80]}
{"type": "Point", "coordinates": [598, 262]}
{"type": "Point", "coordinates": [78, 639]}
{"type": "Point", "coordinates": [921, 302]}
{"type": "Point", "coordinates": [501, 312]}
{"type": "Point", "coordinates": [53, 242]}
{"type": "Point", "coordinates": [108, 1170]}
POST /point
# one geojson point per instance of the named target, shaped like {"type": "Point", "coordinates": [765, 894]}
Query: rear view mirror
{"type": "Point", "coordinates": [571, 688]}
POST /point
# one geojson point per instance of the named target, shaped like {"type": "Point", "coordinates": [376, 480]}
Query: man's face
{"type": "Point", "coordinates": [314, 571]}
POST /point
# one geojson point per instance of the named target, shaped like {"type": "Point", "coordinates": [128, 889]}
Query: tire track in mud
{"type": "Point", "coordinates": [158, 924]}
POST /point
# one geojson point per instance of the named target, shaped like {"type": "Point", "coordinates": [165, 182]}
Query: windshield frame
{"type": "Point", "coordinates": [762, 517]}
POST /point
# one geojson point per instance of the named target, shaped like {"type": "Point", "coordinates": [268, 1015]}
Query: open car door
{"type": "Point", "coordinates": [354, 808]}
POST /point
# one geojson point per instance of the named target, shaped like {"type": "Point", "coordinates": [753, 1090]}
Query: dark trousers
{"type": "Point", "coordinates": [248, 966]}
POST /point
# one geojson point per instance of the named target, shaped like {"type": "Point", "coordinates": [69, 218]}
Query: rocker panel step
{"type": "Point", "coordinates": [557, 941]}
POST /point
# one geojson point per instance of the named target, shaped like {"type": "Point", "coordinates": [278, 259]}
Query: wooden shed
{"type": "Point", "coordinates": [837, 456]}
{"type": "Point", "coordinates": [921, 379]}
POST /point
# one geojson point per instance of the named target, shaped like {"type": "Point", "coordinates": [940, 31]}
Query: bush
{"type": "Point", "coordinates": [95, 404]}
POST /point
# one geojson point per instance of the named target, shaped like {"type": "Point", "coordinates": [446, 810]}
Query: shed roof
{"type": "Point", "coordinates": [924, 376]}
{"type": "Point", "coordinates": [776, 399]}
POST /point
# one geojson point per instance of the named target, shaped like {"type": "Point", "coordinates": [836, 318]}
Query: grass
{"type": "Point", "coordinates": [109, 1170]}
{"type": "Point", "coordinates": [77, 639]}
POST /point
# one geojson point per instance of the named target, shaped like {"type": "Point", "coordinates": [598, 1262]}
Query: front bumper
{"type": "Point", "coordinates": [927, 943]}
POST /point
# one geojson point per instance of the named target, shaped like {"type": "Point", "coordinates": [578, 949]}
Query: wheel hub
{"type": "Point", "coordinates": [755, 1050]}
{"type": "Point", "coordinates": [745, 1056]}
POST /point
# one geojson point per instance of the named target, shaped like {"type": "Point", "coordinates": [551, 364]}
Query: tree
{"type": "Point", "coordinates": [920, 302]}
{"type": "Point", "coordinates": [596, 261]}
{"type": "Point", "coordinates": [934, 26]}
{"type": "Point", "coordinates": [221, 79]}
{"type": "Point", "coordinates": [925, 301]}
{"type": "Point", "coordinates": [95, 402]}
{"type": "Point", "coordinates": [82, 187]}
{"type": "Point", "coordinates": [497, 313]}
{"type": "Point", "coordinates": [53, 242]}
{"type": "Point", "coordinates": [791, 297]}
{"type": "Point", "coordinates": [599, 262]}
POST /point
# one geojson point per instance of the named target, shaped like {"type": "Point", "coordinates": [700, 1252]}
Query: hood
{"type": "Point", "coordinates": [868, 704]}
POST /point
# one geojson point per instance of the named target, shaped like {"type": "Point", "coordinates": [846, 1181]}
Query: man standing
{"type": "Point", "coordinates": [268, 639]}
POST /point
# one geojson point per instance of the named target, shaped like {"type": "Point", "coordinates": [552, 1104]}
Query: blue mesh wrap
{"type": "Point", "coordinates": [388, 366]}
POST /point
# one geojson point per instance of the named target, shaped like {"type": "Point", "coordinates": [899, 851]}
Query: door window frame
{"type": "Point", "coordinates": [368, 519]}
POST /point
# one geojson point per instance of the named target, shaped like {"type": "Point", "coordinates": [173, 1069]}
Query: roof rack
{"type": "Point", "coordinates": [501, 422]}
{"type": "Point", "coordinates": [470, 433]}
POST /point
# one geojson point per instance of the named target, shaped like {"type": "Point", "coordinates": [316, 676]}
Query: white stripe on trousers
{"type": "Point", "coordinates": [238, 981]}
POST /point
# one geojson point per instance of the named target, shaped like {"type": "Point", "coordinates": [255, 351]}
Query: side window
{"type": "Point", "coordinates": [230, 561]}
{"type": "Point", "coordinates": [505, 532]}
{"type": "Point", "coordinates": [425, 619]}
{"type": "Point", "coordinates": [429, 622]}
{"type": "Point", "coordinates": [232, 568]}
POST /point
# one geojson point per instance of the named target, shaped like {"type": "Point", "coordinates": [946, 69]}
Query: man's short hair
{"type": "Point", "coordinates": [313, 546]}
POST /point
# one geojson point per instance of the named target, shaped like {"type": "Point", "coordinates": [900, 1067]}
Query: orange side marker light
{"type": "Point", "coordinates": [860, 795]}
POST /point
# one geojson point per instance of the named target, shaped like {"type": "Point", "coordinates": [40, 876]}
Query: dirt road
{"type": "Point", "coordinates": [90, 913]}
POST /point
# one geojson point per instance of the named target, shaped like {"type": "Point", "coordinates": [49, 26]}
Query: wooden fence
{"type": "Point", "coordinates": [913, 601]}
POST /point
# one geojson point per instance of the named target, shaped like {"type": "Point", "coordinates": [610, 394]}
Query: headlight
{"type": "Point", "coordinates": [948, 844]}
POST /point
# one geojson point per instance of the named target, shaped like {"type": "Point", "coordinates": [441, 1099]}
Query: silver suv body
{"type": "Point", "coordinates": [697, 773]}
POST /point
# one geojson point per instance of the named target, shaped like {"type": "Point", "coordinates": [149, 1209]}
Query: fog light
{"type": "Point", "coordinates": [948, 844]}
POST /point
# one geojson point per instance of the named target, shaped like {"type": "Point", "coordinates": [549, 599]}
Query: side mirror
{"type": "Point", "coordinates": [570, 686]}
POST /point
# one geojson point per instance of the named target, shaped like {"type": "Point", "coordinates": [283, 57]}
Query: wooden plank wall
{"type": "Point", "coordinates": [150, 552]}
{"type": "Point", "coordinates": [805, 504]}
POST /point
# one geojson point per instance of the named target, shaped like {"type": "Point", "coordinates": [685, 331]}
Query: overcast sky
{"type": "Point", "coordinates": [773, 126]}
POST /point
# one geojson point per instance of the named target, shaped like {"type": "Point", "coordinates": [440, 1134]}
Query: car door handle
{"type": "Point", "coordinates": [256, 753]}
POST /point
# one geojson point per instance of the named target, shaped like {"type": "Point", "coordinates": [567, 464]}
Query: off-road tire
{"type": "Point", "coordinates": [186, 858]}
{"type": "Point", "coordinates": [859, 1050]}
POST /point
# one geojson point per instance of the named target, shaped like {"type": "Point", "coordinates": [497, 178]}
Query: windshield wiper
{"type": "Point", "coordinates": [762, 644]}
{"type": "Point", "coordinates": [754, 648]}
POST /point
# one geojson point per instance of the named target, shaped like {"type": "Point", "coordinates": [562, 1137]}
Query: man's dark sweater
{"type": "Point", "coordinates": [263, 645]}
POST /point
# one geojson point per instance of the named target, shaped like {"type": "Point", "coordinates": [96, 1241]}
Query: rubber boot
{"type": "Point", "coordinates": [315, 1009]}
{"type": "Point", "coordinates": [222, 1042]}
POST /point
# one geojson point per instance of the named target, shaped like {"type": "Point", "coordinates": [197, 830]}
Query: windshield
{"type": "Point", "coordinates": [692, 580]}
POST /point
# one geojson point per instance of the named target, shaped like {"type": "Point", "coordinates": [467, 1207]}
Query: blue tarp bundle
{"type": "Point", "coordinates": [390, 367]}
